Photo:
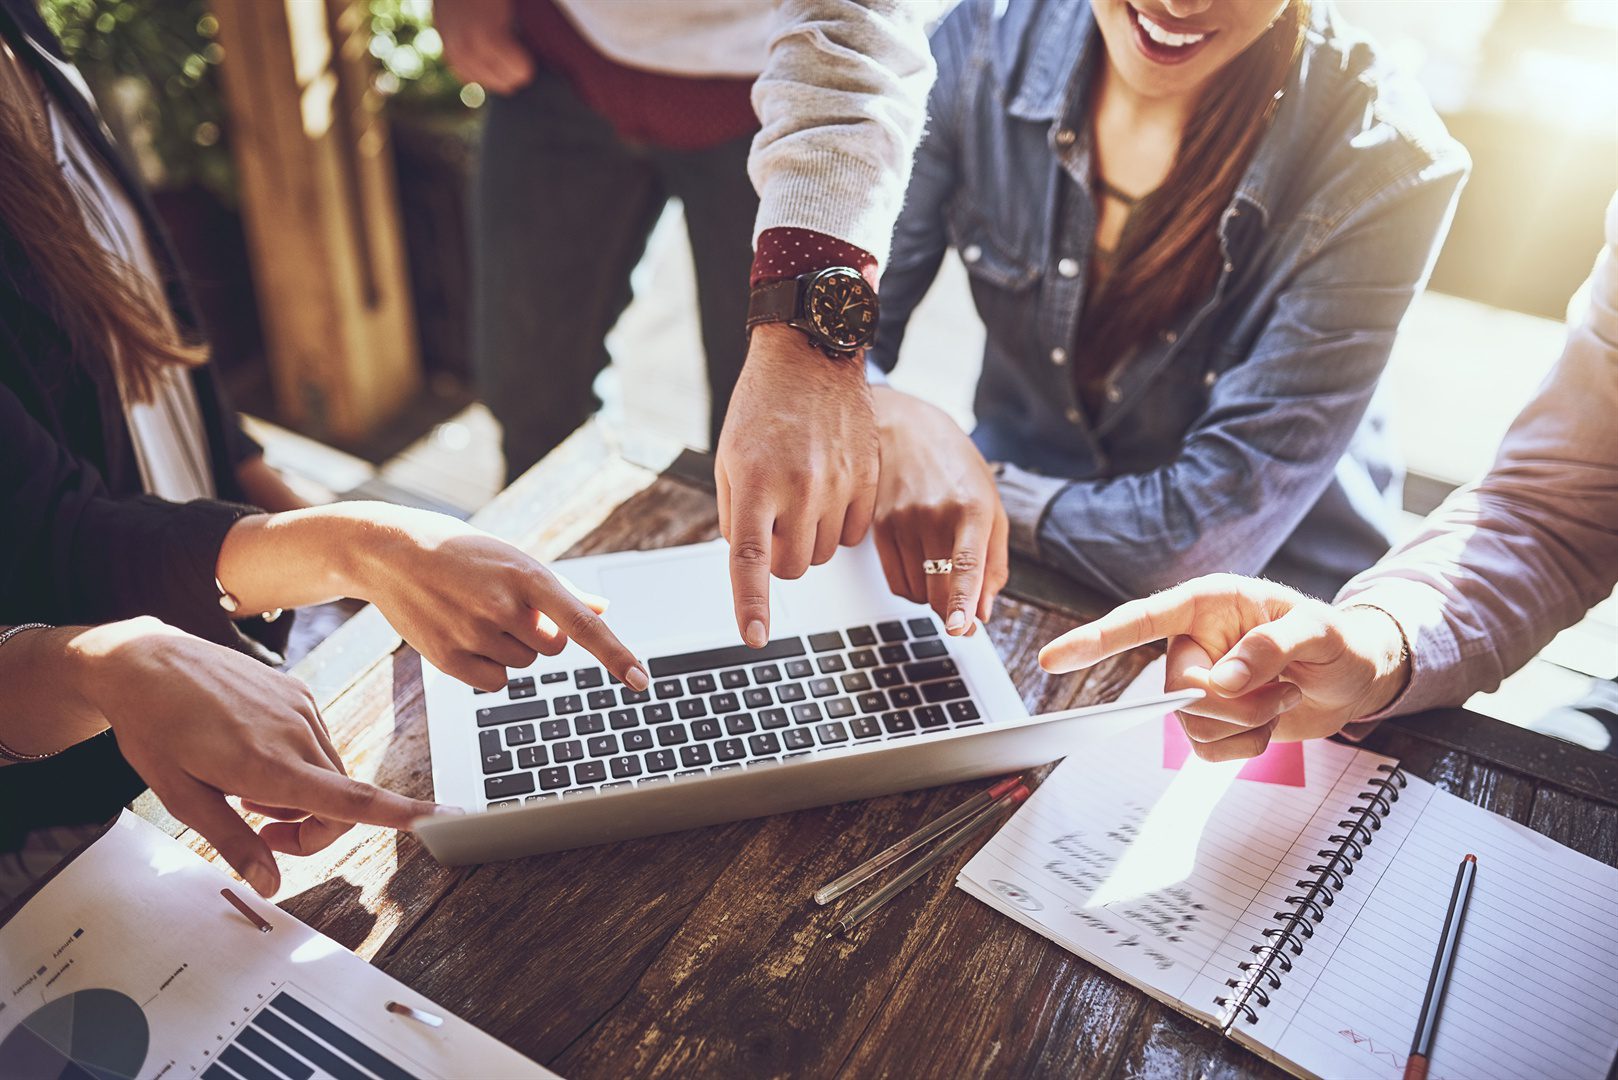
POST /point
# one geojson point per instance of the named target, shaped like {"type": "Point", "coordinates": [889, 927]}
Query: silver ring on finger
{"type": "Point", "coordinates": [933, 567]}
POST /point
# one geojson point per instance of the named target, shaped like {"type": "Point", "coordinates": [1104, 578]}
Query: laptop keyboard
{"type": "Point", "coordinates": [563, 733]}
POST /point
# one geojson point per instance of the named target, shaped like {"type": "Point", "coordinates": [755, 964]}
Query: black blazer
{"type": "Point", "coordinates": [79, 541]}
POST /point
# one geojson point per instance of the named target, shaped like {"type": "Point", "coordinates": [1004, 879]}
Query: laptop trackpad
{"type": "Point", "coordinates": [657, 599]}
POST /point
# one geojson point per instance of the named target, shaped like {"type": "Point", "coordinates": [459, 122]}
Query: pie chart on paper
{"type": "Point", "coordinates": [87, 1035]}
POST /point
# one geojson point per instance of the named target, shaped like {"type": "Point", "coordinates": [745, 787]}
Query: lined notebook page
{"type": "Point", "coordinates": [1535, 985]}
{"type": "Point", "coordinates": [1164, 876]}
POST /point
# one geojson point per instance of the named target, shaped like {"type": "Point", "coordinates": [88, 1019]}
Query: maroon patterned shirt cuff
{"type": "Point", "coordinates": [784, 253]}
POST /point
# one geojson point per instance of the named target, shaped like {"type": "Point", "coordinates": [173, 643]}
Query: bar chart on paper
{"type": "Point", "coordinates": [130, 965]}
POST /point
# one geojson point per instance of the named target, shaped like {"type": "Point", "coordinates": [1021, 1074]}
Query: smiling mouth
{"type": "Point", "coordinates": [1165, 46]}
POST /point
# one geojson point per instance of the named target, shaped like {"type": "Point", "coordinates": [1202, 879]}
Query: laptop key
{"type": "Point", "coordinates": [950, 690]}
{"type": "Point", "coordinates": [856, 681]}
{"type": "Point", "coordinates": [872, 701]}
{"type": "Point", "coordinates": [701, 684]}
{"type": "Point", "coordinates": [723, 703]}
{"type": "Point", "coordinates": [706, 728]}
{"type": "Point", "coordinates": [571, 750]}
{"type": "Point", "coordinates": [691, 708]}
{"type": "Point", "coordinates": [826, 642]}
{"type": "Point", "coordinates": [615, 784]}
{"type": "Point", "coordinates": [590, 724]}
{"type": "Point", "coordinates": [603, 746]}
{"type": "Point", "coordinates": [887, 676]}
{"type": "Point", "coordinates": [628, 765]}
{"type": "Point", "coordinates": [894, 654]}
{"type": "Point", "coordinates": [694, 755]}
{"type": "Point", "coordinates": [668, 688]}
{"type": "Point", "coordinates": [661, 713]}
{"type": "Point", "coordinates": [932, 669]}
{"type": "Point", "coordinates": [488, 742]}
{"type": "Point", "coordinates": [861, 635]}
{"type": "Point", "coordinates": [729, 750]}
{"type": "Point", "coordinates": [831, 733]}
{"type": "Point", "coordinates": [891, 631]}
{"type": "Point", "coordinates": [739, 724]}
{"type": "Point", "coordinates": [763, 763]}
{"type": "Point", "coordinates": [622, 718]}
{"type": "Point", "coordinates": [502, 802]}
{"type": "Point", "coordinates": [554, 777]}
{"type": "Point", "coordinates": [962, 712]}
{"type": "Point", "coordinates": [767, 673]}
{"type": "Point", "coordinates": [574, 793]}
{"type": "Point", "coordinates": [683, 773]}
{"type": "Point", "coordinates": [822, 687]}
{"type": "Point", "coordinates": [904, 697]}
{"type": "Point", "coordinates": [726, 768]}
{"type": "Point", "coordinates": [807, 713]}
{"type": "Point", "coordinates": [541, 797]}
{"type": "Point", "coordinates": [532, 757]}
{"type": "Point", "coordinates": [929, 648]}
{"type": "Point", "coordinates": [497, 762]}
{"type": "Point", "coordinates": [551, 730]}
{"type": "Point", "coordinates": [585, 678]}
{"type": "Point", "coordinates": [866, 727]}
{"type": "Point", "coordinates": [922, 627]}
{"type": "Point", "coordinates": [770, 719]}
{"type": "Point", "coordinates": [520, 734]}
{"type": "Point", "coordinates": [840, 708]}
{"type": "Point", "coordinates": [660, 761]}
{"type": "Point", "coordinates": [863, 658]}
{"type": "Point", "coordinates": [553, 677]}
{"type": "Point", "coordinates": [765, 742]}
{"type": "Point", "coordinates": [787, 693]}
{"type": "Point", "coordinates": [517, 689]}
{"type": "Point", "coordinates": [898, 722]}
{"type": "Point", "coordinates": [634, 697]}
{"type": "Point", "coordinates": [931, 716]}
{"type": "Point", "coordinates": [648, 781]}
{"type": "Point", "coordinates": [799, 669]}
{"type": "Point", "coordinates": [590, 772]}
{"type": "Point", "coordinates": [672, 735]}
{"type": "Point", "coordinates": [601, 699]}
{"type": "Point", "coordinates": [797, 739]}
{"type": "Point", "coordinates": [734, 679]}
{"type": "Point", "coordinates": [506, 714]}
{"type": "Point", "coordinates": [639, 739]}
{"type": "Point", "coordinates": [567, 703]}
{"type": "Point", "coordinates": [831, 665]}
{"type": "Point", "coordinates": [757, 697]}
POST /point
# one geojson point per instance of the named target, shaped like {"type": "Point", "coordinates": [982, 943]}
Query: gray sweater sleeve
{"type": "Point", "coordinates": [841, 100]}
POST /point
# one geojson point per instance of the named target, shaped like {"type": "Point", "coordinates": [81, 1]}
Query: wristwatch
{"type": "Point", "coordinates": [835, 309]}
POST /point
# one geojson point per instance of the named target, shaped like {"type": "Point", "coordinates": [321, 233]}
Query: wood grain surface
{"type": "Point", "coordinates": [701, 953]}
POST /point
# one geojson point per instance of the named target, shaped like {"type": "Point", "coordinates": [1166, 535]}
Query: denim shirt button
{"type": "Point", "coordinates": [1210, 378]}
{"type": "Point", "coordinates": [971, 253]}
{"type": "Point", "coordinates": [1066, 137]}
{"type": "Point", "coordinates": [1058, 356]}
{"type": "Point", "coordinates": [1068, 268]}
{"type": "Point", "coordinates": [1169, 336]}
{"type": "Point", "coordinates": [1072, 414]}
{"type": "Point", "coordinates": [1229, 266]}
{"type": "Point", "coordinates": [1114, 394]}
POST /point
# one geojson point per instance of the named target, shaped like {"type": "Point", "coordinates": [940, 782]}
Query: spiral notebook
{"type": "Point", "coordinates": [1302, 920]}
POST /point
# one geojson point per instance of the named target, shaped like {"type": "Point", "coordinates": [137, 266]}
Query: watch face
{"type": "Point", "coordinates": [841, 306]}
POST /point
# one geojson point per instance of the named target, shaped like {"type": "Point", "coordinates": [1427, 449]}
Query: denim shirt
{"type": "Point", "coordinates": [1246, 435]}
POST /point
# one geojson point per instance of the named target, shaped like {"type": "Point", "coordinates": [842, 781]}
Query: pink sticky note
{"type": "Point", "coordinates": [1282, 763]}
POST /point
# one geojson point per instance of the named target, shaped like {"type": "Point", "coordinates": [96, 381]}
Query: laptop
{"type": "Point", "coordinates": [858, 693]}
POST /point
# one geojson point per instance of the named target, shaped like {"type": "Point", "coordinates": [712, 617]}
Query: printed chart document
{"type": "Point", "coordinates": [131, 965]}
{"type": "Point", "coordinates": [1296, 906]}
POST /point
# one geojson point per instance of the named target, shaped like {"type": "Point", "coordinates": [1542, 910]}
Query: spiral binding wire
{"type": "Point", "coordinates": [1296, 926]}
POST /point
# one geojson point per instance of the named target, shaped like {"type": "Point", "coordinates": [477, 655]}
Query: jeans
{"type": "Point", "coordinates": [562, 209]}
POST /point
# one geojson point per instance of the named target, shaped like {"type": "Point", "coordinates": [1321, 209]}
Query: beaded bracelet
{"type": "Point", "coordinates": [5, 751]}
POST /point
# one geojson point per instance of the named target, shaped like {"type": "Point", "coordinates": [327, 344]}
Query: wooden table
{"type": "Point", "coordinates": [700, 953]}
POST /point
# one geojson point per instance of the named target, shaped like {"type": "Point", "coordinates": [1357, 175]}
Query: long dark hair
{"type": "Point", "coordinates": [107, 310]}
{"type": "Point", "coordinates": [1169, 256]}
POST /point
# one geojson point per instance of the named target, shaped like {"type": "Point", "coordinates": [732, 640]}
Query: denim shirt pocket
{"type": "Point", "coordinates": [1002, 281]}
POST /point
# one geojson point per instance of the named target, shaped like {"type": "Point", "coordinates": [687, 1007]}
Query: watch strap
{"type": "Point", "coordinates": [775, 302]}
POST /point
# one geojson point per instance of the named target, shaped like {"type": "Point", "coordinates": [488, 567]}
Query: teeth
{"type": "Point", "coordinates": [1165, 37]}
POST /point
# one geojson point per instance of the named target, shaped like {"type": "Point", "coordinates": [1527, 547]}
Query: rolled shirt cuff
{"type": "Point", "coordinates": [1435, 655]}
{"type": "Point", "coordinates": [1027, 496]}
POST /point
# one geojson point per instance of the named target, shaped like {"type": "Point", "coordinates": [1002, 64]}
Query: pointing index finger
{"type": "Point", "coordinates": [751, 526]}
{"type": "Point", "coordinates": [1138, 622]}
